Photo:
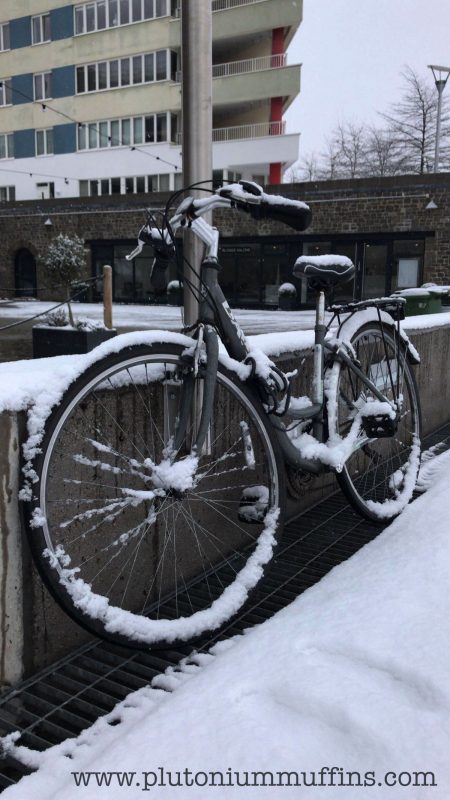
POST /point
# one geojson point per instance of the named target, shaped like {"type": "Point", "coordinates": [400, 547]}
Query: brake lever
{"type": "Point", "coordinates": [137, 250]}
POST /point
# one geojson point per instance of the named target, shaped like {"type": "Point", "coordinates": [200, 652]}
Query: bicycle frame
{"type": "Point", "coordinates": [215, 312]}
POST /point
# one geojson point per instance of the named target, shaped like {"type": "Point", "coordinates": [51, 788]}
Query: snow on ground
{"type": "Point", "coordinates": [169, 317]}
{"type": "Point", "coordinates": [354, 675]}
{"type": "Point", "coordinates": [253, 321]}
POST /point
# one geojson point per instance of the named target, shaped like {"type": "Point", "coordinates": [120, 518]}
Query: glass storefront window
{"type": "Point", "coordinates": [346, 292]}
{"type": "Point", "coordinates": [407, 263]}
{"type": "Point", "coordinates": [273, 270]}
{"type": "Point", "coordinates": [374, 275]}
{"type": "Point", "coordinates": [131, 280]}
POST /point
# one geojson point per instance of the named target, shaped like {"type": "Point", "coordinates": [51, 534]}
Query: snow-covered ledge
{"type": "Point", "coordinates": [31, 616]}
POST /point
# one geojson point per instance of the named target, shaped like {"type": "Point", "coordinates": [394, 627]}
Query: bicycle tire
{"type": "Point", "coordinates": [93, 510]}
{"type": "Point", "coordinates": [379, 476]}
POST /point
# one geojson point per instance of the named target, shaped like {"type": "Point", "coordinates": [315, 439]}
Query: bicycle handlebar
{"type": "Point", "coordinates": [243, 196]}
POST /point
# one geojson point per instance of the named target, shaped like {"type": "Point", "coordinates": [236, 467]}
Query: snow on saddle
{"type": "Point", "coordinates": [324, 272]}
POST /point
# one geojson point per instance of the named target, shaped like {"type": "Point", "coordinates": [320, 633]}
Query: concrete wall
{"type": "Point", "coordinates": [27, 612]}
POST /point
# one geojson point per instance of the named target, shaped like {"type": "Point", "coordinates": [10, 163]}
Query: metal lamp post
{"type": "Point", "coordinates": [196, 64]}
{"type": "Point", "coordinates": [440, 81]}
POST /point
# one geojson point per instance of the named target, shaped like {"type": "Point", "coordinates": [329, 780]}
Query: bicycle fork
{"type": "Point", "coordinates": [195, 407]}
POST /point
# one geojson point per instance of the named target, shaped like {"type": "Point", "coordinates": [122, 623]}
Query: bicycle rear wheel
{"type": "Point", "coordinates": [139, 544]}
{"type": "Point", "coordinates": [379, 476]}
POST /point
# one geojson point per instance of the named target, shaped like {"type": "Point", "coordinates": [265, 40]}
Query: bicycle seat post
{"type": "Point", "coordinates": [317, 382]}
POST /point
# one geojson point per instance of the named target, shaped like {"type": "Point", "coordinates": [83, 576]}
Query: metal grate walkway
{"type": "Point", "coordinates": [69, 696]}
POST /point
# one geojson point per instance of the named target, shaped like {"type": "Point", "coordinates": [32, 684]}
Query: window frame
{"type": "Point", "coordinates": [42, 76]}
{"type": "Point", "coordinates": [42, 26]}
{"type": "Point", "coordinates": [10, 192]}
{"type": "Point", "coordinates": [132, 12]}
{"type": "Point", "coordinates": [116, 128]}
{"type": "Point", "coordinates": [89, 74]}
{"type": "Point", "coordinates": [5, 90]}
{"type": "Point", "coordinates": [8, 142]}
{"type": "Point", "coordinates": [3, 27]}
{"type": "Point", "coordinates": [161, 182]}
{"type": "Point", "coordinates": [47, 139]}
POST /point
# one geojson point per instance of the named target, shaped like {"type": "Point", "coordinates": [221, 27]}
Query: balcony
{"type": "Point", "coordinates": [245, 66]}
{"type": "Point", "coordinates": [253, 147]}
{"type": "Point", "coordinates": [235, 133]}
{"type": "Point", "coordinates": [248, 65]}
{"type": "Point", "coordinates": [244, 19]}
{"type": "Point", "coordinates": [229, 88]}
{"type": "Point", "coordinates": [218, 5]}
{"type": "Point", "coordinates": [253, 131]}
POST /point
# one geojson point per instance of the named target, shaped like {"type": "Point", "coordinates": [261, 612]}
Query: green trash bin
{"type": "Point", "coordinates": [420, 301]}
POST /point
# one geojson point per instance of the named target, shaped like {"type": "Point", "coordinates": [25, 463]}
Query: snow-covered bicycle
{"type": "Point", "coordinates": [155, 489]}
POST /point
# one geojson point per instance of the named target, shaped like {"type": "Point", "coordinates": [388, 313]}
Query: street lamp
{"type": "Point", "coordinates": [440, 81]}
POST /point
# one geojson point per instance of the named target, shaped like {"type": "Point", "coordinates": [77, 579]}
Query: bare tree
{"type": "Point", "coordinates": [382, 154]}
{"type": "Point", "coordinates": [404, 145]}
{"type": "Point", "coordinates": [352, 146]}
{"type": "Point", "coordinates": [329, 168]}
{"type": "Point", "coordinates": [413, 122]}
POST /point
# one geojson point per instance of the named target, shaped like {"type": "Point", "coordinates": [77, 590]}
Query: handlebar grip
{"type": "Point", "coordinates": [297, 217]}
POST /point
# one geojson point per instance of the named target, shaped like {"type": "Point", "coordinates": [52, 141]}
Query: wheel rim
{"type": "Point", "coordinates": [381, 472]}
{"type": "Point", "coordinates": [172, 557]}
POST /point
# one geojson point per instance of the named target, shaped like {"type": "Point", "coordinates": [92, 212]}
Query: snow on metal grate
{"type": "Point", "coordinates": [64, 699]}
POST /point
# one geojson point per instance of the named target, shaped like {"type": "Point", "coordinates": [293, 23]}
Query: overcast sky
{"type": "Point", "coordinates": [353, 52]}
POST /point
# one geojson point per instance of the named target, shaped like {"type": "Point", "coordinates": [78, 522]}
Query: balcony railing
{"type": "Point", "coordinates": [253, 131]}
{"type": "Point", "coordinates": [248, 65]}
{"type": "Point", "coordinates": [244, 67]}
{"type": "Point", "coordinates": [223, 5]}
{"type": "Point", "coordinates": [217, 5]}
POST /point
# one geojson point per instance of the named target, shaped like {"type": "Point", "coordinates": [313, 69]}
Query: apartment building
{"type": "Point", "coordinates": [90, 95]}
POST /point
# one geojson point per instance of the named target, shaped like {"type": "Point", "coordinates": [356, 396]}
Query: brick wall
{"type": "Point", "coordinates": [372, 206]}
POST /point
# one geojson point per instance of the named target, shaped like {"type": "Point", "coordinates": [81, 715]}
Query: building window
{"type": "Point", "coordinates": [132, 185]}
{"type": "Point", "coordinates": [4, 36]}
{"type": "Point", "coordinates": [44, 142]}
{"type": "Point", "coordinates": [127, 132]}
{"type": "Point", "coordinates": [45, 191]}
{"type": "Point", "coordinates": [143, 68]}
{"type": "Point", "coordinates": [5, 92]}
{"type": "Point", "coordinates": [42, 86]}
{"type": "Point", "coordinates": [96, 16]}
{"type": "Point", "coordinates": [6, 145]}
{"type": "Point", "coordinates": [40, 29]}
{"type": "Point", "coordinates": [7, 193]}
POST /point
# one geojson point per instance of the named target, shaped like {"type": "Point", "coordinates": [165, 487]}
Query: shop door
{"type": "Point", "coordinates": [375, 270]}
{"type": "Point", "coordinates": [25, 273]}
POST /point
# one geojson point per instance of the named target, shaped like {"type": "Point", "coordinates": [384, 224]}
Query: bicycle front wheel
{"type": "Point", "coordinates": [379, 476]}
{"type": "Point", "coordinates": [140, 544]}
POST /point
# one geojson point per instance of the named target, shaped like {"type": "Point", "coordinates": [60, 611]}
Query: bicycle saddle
{"type": "Point", "coordinates": [324, 272]}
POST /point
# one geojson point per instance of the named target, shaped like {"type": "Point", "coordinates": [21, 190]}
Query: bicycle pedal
{"type": "Point", "coordinates": [254, 504]}
{"type": "Point", "coordinates": [379, 426]}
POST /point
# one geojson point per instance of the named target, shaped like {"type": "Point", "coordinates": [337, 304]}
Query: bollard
{"type": "Point", "coordinates": [107, 296]}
